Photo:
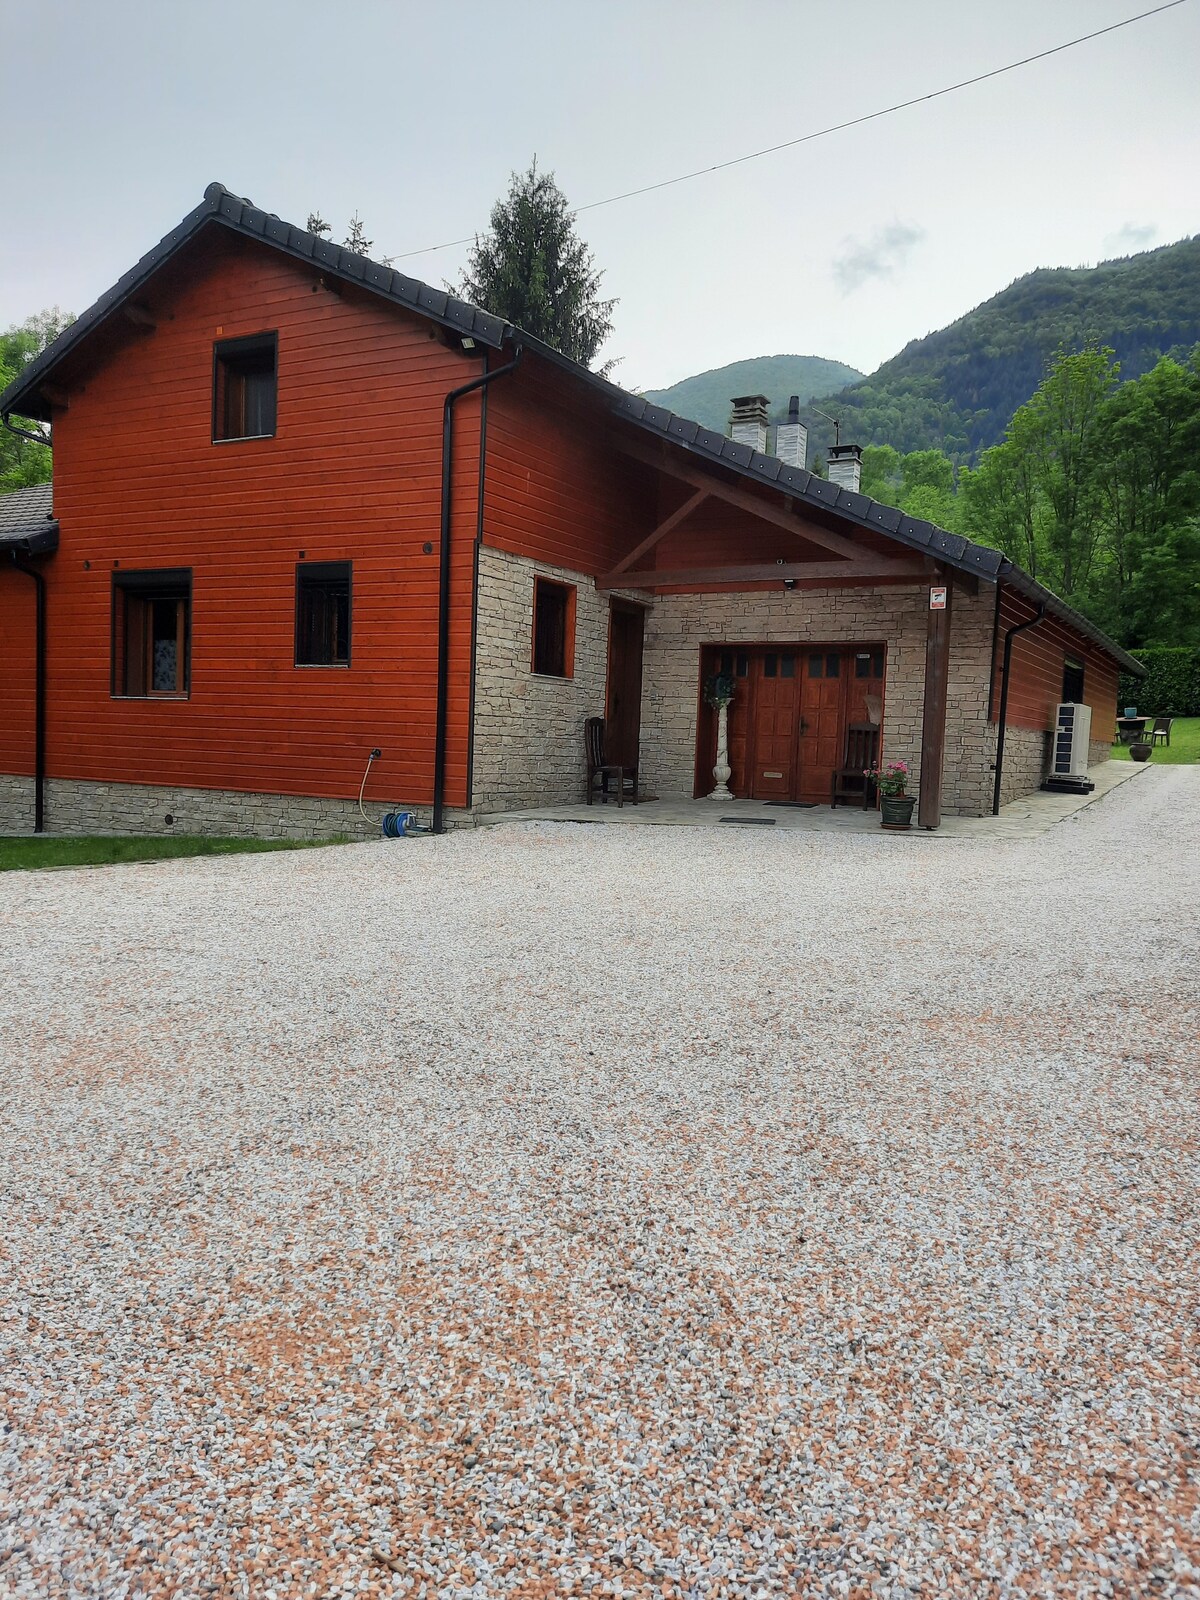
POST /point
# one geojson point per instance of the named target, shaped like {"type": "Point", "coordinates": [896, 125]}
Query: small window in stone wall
{"type": "Point", "coordinates": [553, 629]}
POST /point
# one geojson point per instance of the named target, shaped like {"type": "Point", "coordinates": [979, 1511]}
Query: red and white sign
{"type": "Point", "coordinates": [937, 598]}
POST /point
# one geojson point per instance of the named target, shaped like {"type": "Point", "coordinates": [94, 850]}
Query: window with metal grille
{"type": "Point", "coordinates": [323, 613]}
{"type": "Point", "coordinates": [244, 385]}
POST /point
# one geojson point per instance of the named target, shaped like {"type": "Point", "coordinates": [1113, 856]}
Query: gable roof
{"type": "Point", "coordinates": [242, 217]}
{"type": "Point", "coordinates": [27, 525]}
{"type": "Point", "coordinates": [821, 494]}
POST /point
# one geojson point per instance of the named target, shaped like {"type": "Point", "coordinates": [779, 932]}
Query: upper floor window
{"type": "Point", "coordinates": [1072, 680]}
{"type": "Point", "coordinates": [323, 614]}
{"type": "Point", "coordinates": [244, 387]}
{"type": "Point", "coordinates": [152, 632]}
{"type": "Point", "coordinates": [553, 628]}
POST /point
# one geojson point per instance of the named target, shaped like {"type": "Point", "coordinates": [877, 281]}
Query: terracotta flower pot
{"type": "Point", "coordinates": [896, 810]}
{"type": "Point", "coordinates": [1140, 751]}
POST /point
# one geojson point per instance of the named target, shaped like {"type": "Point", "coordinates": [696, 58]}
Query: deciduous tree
{"type": "Point", "coordinates": [23, 462]}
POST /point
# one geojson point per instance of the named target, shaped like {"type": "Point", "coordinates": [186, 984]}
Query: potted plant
{"type": "Point", "coordinates": [896, 807]}
{"type": "Point", "coordinates": [718, 691]}
{"type": "Point", "coordinates": [1140, 750]}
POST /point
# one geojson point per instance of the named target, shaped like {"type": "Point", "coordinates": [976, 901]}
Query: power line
{"type": "Point", "coordinates": [837, 127]}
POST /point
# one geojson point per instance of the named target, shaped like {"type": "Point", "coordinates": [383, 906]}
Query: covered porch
{"type": "Point", "coordinates": [833, 639]}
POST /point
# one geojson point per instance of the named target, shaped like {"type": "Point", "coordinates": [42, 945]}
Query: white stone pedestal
{"type": "Point", "coordinates": [722, 769]}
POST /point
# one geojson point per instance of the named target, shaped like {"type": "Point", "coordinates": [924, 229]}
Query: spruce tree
{"type": "Point", "coordinates": [532, 269]}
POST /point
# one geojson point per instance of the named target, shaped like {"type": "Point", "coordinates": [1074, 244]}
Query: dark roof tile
{"type": "Point", "coordinates": [888, 518]}
{"type": "Point", "coordinates": [27, 525]}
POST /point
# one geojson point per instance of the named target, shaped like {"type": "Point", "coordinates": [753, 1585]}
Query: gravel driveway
{"type": "Point", "coordinates": [564, 1210]}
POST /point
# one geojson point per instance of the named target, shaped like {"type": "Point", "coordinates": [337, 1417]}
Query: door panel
{"type": "Point", "coordinates": [820, 741]}
{"type": "Point", "coordinates": [776, 685]}
{"type": "Point", "coordinates": [623, 710]}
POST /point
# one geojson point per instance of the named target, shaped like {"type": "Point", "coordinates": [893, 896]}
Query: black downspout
{"type": "Point", "coordinates": [443, 657]}
{"type": "Point", "coordinates": [483, 423]}
{"type": "Point", "coordinates": [992, 659]}
{"type": "Point", "coordinates": [39, 713]}
{"type": "Point", "coordinates": [1009, 636]}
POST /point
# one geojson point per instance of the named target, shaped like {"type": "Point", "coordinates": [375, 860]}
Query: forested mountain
{"type": "Point", "coordinates": [705, 398]}
{"type": "Point", "coordinates": [956, 389]}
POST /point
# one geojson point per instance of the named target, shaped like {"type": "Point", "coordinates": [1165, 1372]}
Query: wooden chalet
{"type": "Point", "coordinates": [305, 507]}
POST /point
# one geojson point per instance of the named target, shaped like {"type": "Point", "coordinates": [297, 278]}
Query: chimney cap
{"type": "Point", "coordinates": [837, 452]}
{"type": "Point", "coordinates": [794, 408]}
{"type": "Point", "coordinates": [751, 400]}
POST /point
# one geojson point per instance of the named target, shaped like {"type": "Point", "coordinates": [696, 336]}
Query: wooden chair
{"type": "Point", "coordinates": [850, 781]}
{"type": "Point", "coordinates": [597, 767]}
{"type": "Point", "coordinates": [1161, 730]}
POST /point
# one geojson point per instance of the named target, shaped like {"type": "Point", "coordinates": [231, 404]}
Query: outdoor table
{"type": "Point", "coordinates": [1132, 729]}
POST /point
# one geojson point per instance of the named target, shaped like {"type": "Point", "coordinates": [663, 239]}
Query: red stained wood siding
{"type": "Point", "coordinates": [556, 490]}
{"type": "Point", "coordinates": [353, 474]}
{"type": "Point", "coordinates": [17, 669]}
{"type": "Point", "coordinates": [1036, 675]}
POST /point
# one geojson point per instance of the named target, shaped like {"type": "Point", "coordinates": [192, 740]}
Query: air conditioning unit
{"type": "Point", "coordinates": [1072, 743]}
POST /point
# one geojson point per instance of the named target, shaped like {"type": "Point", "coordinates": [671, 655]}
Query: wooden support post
{"type": "Point", "coordinates": [933, 718]}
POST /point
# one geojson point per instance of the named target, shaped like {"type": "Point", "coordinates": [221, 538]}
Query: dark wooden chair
{"type": "Point", "coordinates": [624, 778]}
{"type": "Point", "coordinates": [850, 781]}
{"type": "Point", "coordinates": [1161, 730]}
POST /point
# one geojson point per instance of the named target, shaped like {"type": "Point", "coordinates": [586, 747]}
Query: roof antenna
{"type": "Point", "coordinates": [837, 424]}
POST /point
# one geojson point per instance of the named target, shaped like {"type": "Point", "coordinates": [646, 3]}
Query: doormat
{"type": "Point", "coordinates": [750, 822]}
{"type": "Point", "coordinates": [796, 805]}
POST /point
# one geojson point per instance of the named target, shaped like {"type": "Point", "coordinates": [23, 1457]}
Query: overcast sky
{"type": "Point", "coordinates": [120, 111]}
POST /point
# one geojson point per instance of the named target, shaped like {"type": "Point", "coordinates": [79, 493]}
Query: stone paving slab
{"type": "Point", "coordinates": [1026, 818]}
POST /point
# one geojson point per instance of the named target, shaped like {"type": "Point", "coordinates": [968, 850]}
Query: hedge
{"type": "Point", "coordinates": [1171, 687]}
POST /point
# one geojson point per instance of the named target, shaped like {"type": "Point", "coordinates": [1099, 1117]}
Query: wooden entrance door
{"type": "Point", "coordinates": [775, 690]}
{"type": "Point", "coordinates": [821, 723]}
{"type": "Point", "coordinates": [623, 709]}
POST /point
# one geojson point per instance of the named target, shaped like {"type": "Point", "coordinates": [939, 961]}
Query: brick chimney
{"type": "Point", "coordinates": [791, 437]}
{"type": "Point", "coordinates": [845, 466]}
{"type": "Point", "coordinates": [748, 423]}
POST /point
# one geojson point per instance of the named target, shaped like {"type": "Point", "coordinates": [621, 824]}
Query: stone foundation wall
{"type": "Point", "coordinates": [529, 728]}
{"type": "Point", "coordinates": [1026, 762]}
{"type": "Point", "coordinates": [679, 625]}
{"type": "Point", "coordinates": [1098, 751]}
{"type": "Point", "coordinates": [74, 806]}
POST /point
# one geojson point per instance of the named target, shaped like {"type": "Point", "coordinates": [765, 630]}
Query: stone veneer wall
{"type": "Point", "coordinates": [1026, 762]}
{"type": "Point", "coordinates": [678, 625]}
{"type": "Point", "coordinates": [529, 728]}
{"type": "Point", "coordinates": [1027, 754]}
{"type": "Point", "coordinates": [74, 806]}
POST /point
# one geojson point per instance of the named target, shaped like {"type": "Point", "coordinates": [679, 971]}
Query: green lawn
{"type": "Point", "coordinates": [1185, 745]}
{"type": "Point", "coordinates": [95, 850]}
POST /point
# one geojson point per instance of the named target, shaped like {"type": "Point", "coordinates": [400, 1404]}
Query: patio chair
{"type": "Point", "coordinates": [1161, 730]}
{"type": "Point", "coordinates": [850, 781]}
{"type": "Point", "coordinates": [624, 778]}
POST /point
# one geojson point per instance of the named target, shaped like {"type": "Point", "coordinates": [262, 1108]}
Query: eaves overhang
{"type": "Point", "coordinates": [28, 528]}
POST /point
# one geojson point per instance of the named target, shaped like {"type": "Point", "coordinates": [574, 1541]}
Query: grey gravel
{"type": "Point", "coordinates": [583, 1210]}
